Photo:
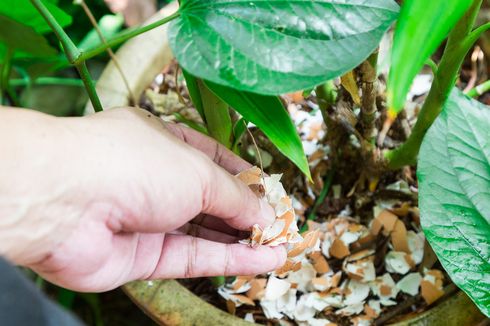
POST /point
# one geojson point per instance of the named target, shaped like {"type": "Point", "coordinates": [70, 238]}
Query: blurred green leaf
{"type": "Point", "coordinates": [109, 26]}
{"type": "Point", "coordinates": [421, 28]}
{"type": "Point", "coordinates": [454, 194]}
{"type": "Point", "coordinates": [275, 47]}
{"type": "Point", "coordinates": [24, 38]}
{"type": "Point", "coordinates": [270, 116]}
{"type": "Point", "coordinates": [24, 12]}
{"type": "Point", "coordinates": [63, 100]}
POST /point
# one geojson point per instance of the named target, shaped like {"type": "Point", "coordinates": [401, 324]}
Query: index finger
{"type": "Point", "coordinates": [214, 150]}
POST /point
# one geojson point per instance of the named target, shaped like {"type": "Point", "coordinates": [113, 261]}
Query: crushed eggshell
{"type": "Point", "coordinates": [398, 262]}
{"type": "Point", "coordinates": [284, 230]}
{"type": "Point", "coordinates": [384, 287]}
{"type": "Point", "coordinates": [313, 280]}
{"type": "Point", "coordinates": [276, 288]}
{"type": "Point", "coordinates": [360, 266]}
{"type": "Point", "coordinates": [431, 285]}
{"type": "Point", "coordinates": [384, 222]}
{"type": "Point", "coordinates": [356, 292]}
{"type": "Point", "coordinates": [416, 243]}
{"type": "Point", "coordinates": [410, 283]}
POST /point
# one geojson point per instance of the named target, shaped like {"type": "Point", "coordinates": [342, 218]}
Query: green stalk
{"type": "Point", "coordinates": [47, 81]}
{"type": "Point", "coordinates": [5, 73]}
{"type": "Point", "coordinates": [479, 90]}
{"type": "Point", "coordinates": [121, 38]}
{"type": "Point", "coordinates": [71, 50]}
{"type": "Point", "coordinates": [459, 43]}
{"type": "Point", "coordinates": [320, 199]}
{"type": "Point", "coordinates": [89, 86]}
{"type": "Point", "coordinates": [72, 53]}
{"type": "Point", "coordinates": [327, 96]}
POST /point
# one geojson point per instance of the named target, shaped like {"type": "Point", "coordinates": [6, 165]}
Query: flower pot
{"type": "Point", "coordinates": [168, 302]}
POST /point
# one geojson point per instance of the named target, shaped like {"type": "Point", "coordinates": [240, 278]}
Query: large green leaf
{"type": "Point", "coordinates": [454, 185]}
{"type": "Point", "coordinates": [24, 12]}
{"type": "Point", "coordinates": [270, 116]}
{"type": "Point", "coordinates": [17, 36]}
{"type": "Point", "coordinates": [274, 47]}
{"type": "Point", "coordinates": [421, 28]}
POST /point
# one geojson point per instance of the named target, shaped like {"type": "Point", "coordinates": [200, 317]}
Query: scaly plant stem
{"type": "Point", "coordinates": [479, 90]}
{"type": "Point", "coordinates": [369, 78]}
{"type": "Point", "coordinates": [459, 43]}
{"type": "Point", "coordinates": [72, 53]}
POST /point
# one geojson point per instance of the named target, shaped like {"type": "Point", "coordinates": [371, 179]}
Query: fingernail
{"type": "Point", "coordinates": [267, 213]}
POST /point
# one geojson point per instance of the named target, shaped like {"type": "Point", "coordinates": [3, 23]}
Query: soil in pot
{"type": "Point", "coordinates": [368, 262]}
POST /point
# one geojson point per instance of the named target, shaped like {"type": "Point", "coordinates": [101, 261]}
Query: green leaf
{"type": "Point", "coordinates": [238, 131]}
{"type": "Point", "coordinates": [421, 28]}
{"type": "Point", "coordinates": [24, 12]}
{"type": "Point", "coordinates": [194, 93]}
{"type": "Point", "coordinates": [454, 186]}
{"type": "Point", "coordinates": [23, 38]}
{"type": "Point", "coordinates": [275, 47]}
{"type": "Point", "coordinates": [268, 114]}
{"type": "Point", "coordinates": [217, 113]}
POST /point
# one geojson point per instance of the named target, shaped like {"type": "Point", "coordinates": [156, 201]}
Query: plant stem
{"type": "Point", "coordinates": [132, 98]}
{"type": "Point", "coordinates": [123, 37]}
{"type": "Point", "coordinates": [327, 96]}
{"type": "Point", "coordinates": [455, 51]}
{"type": "Point", "coordinates": [5, 73]}
{"type": "Point", "coordinates": [369, 78]}
{"type": "Point", "coordinates": [89, 86]}
{"type": "Point", "coordinates": [72, 53]}
{"type": "Point", "coordinates": [320, 199]}
{"type": "Point", "coordinates": [47, 81]}
{"type": "Point", "coordinates": [479, 90]}
{"type": "Point", "coordinates": [71, 50]}
{"type": "Point", "coordinates": [218, 281]}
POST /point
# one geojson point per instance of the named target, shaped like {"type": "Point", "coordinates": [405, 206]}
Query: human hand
{"type": "Point", "coordinates": [143, 200]}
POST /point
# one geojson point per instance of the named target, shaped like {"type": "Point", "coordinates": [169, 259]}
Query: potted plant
{"type": "Point", "coordinates": [214, 59]}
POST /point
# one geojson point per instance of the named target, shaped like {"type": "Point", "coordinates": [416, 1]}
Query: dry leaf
{"type": "Point", "coordinates": [348, 81]}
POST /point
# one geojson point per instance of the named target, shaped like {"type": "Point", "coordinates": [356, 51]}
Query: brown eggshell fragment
{"type": "Point", "coordinates": [430, 292]}
{"type": "Point", "coordinates": [399, 237]}
{"type": "Point", "coordinates": [257, 289]}
{"type": "Point", "coordinates": [319, 263]}
{"type": "Point", "coordinates": [251, 176]}
{"type": "Point", "coordinates": [339, 249]}
{"type": "Point", "coordinates": [386, 221]}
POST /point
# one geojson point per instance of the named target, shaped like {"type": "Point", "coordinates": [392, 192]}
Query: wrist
{"type": "Point", "coordinates": [37, 205]}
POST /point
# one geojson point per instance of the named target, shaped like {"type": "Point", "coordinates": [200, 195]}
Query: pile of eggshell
{"type": "Point", "coordinates": [306, 288]}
